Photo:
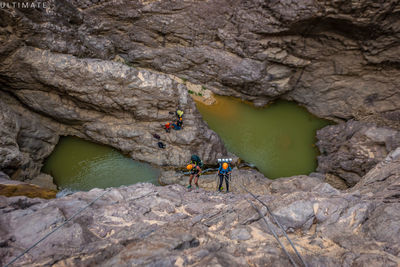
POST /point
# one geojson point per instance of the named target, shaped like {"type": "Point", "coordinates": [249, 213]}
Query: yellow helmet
{"type": "Point", "coordinates": [189, 167]}
{"type": "Point", "coordinates": [225, 166]}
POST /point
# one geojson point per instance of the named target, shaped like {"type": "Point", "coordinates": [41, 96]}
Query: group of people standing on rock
{"type": "Point", "coordinates": [176, 126]}
{"type": "Point", "coordinates": [195, 169]}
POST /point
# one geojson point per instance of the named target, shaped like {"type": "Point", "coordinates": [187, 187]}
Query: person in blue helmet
{"type": "Point", "coordinates": [224, 171]}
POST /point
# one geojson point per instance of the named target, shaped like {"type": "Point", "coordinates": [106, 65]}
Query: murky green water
{"type": "Point", "coordinates": [77, 164]}
{"type": "Point", "coordinates": [278, 139]}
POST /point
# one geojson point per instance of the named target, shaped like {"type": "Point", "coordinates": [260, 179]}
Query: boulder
{"type": "Point", "coordinates": [349, 150]}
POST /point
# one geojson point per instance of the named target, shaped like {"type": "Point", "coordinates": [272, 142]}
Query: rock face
{"type": "Point", "coordinates": [11, 188]}
{"type": "Point", "coordinates": [170, 226]}
{"type": "Point", "coordinates": [26, 139]}
{"type": "Point", "coordinates": [98, 69]}
{"type": "Point", "coordinates": [103, 101]}
{"type": "Point", "coordinates": [349, 150]}
{"type": "Point", "coordinates": [339, 59]}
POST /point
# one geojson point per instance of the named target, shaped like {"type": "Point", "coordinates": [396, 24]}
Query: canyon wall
{"type": "Point", "coordinates": [99, 69]}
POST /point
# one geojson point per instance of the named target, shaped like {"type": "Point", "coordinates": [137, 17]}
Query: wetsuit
{"type": "Point", "coordinates": [224, 173]}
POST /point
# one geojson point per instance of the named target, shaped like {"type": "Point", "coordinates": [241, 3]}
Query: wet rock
{"type": "Point", "coordinates": [12, 188]}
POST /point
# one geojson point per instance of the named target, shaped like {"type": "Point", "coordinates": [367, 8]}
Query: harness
{"type": "Point", "coordinates": [194, 170]}
{"type": "Point", "coordinates": [222, 171]}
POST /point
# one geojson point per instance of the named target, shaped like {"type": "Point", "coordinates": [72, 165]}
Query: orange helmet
{"type": "Point", "coordinates": [189, 167]}
{"type": "Point", "coordinates": [225, 166]}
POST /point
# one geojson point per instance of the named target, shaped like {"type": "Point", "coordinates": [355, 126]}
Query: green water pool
{"type": "Point", "coordinates": [279, 139]}
{"type": "Point", "coordinates": [77, 165]}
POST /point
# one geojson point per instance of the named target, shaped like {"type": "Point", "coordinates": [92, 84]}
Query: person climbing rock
{"type": "Point", "coordinates": [195, 170]}
{"type": "Point", "coordinates": [178, 125]}
{"type": "Point", "coordinates": [224, 171]}
{"type": "Point", "coordinates": [167, 127]}
{"type": "Point", "coordinates": [156, 136]}
{"type": "Point", "coordinates": [179, 114]}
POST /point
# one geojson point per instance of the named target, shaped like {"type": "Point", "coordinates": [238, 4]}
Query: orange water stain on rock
{"type": "Point", "coordinates": [32, 191]}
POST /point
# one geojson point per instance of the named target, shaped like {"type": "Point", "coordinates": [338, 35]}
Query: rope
{"type": "Point", "coordinates": [273, 232]}
{"type": "Point", "coordinates": [278, 223]}
{"type": "Point", "coordinates": [46, 236]}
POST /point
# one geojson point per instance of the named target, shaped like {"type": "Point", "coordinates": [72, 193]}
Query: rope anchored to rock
{"type": "Point", "coordinates": [273, 232]}
{"type": "Point", "coordinates": [46, 236]}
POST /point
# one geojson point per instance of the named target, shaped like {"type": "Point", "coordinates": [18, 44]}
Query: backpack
{"type": "Point", "coordinates": [196, 159]}
{"type": "Point", "coordinates": [161, 145]}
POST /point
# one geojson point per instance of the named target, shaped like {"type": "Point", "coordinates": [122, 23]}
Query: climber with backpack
{"type": "Point", "coordinates": [179, 114]}
{"type": "Point", "coordinates": [224, 171]}
{"type": "Point", "coordinates": [179, 123]}
{"type": "Point", "coordinates": [167, 127]}
{"type": "Point", "coordinates": [194, 168]}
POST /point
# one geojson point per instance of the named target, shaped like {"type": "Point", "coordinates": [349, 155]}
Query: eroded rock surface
{"type": "Point", "coordinates": [340, 59]}
{"type": "Point", "coordinates": [170, 226]}
{"type": "Point", "coordinates": [251, 179]}
{"type": "Point", "coordinates": [99, 68]}
{"type": "Point", "coordinates": [26, 139]}
{"type": "Point", "coordinates": [103, 101]}
{"type": "Point", "coordinates": [349, 150]}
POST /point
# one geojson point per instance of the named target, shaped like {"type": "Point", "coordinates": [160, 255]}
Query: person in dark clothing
{"type": "Point", "coordinates": [179, 123]}
{"type": "Point", "coordinates": [167, 127]}
{"type": "Point", "coordinates": [195, 170]}
{"type": "Point", "coordinates": [224, 171]}
{"type": "Point", "coordinates": [161, 145]}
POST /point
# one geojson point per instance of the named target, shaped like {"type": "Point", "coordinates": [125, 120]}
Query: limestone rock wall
{"type": "Point", "coordinates": [339, 59]}
{"type": "Point", "coordinates": [349, 150]}
{"type": "Point", "coordinates": [106, 102]}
